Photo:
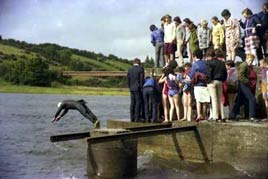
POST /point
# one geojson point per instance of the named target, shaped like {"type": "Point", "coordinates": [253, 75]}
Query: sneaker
{"type": "Point", "coordinates": [97, 124]}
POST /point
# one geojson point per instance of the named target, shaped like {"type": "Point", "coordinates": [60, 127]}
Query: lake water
{"type": "Point", "coordinates": [27, 153]}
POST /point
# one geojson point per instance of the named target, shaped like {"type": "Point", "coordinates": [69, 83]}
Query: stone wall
{"type": "Point", "coordinates": [243, 145]}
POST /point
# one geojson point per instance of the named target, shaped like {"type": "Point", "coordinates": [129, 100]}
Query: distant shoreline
{"type": "Point", "coordinates": [77, 90]}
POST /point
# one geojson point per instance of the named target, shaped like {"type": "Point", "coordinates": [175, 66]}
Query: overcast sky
{"type": "Point", "coordinates": [119, 27]}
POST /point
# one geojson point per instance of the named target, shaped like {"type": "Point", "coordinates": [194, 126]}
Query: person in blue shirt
{"type": "Point", "coordinates": [251, 26]}
{"type": "Point", "coordinates": [157, 39]}
{"type": "Point", "coordinates": [150, 92]}
{"type": "Point", "coordinates": [263, 16]}
{"type": "Point", "coordinates": [198, 76]}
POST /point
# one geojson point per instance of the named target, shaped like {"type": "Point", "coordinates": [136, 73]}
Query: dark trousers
{"type": "Point", "coordinates": [159, 54]}
{"type": "Point", "coordinates": [135, 105]}
{"type": "Point", "coordinates": [150, 97]}
{"type": "Point", "coordinates": [244, 94]}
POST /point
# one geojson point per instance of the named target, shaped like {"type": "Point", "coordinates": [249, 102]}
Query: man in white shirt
{"type": "Point", "coordinates": [169, 39]}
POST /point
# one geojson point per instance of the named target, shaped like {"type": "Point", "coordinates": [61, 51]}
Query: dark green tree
{"type": "Point", "coordinates": [149, 62]}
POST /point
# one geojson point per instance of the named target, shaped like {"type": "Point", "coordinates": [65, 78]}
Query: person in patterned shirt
{"type": "Point", "coordinates": [232, 34]}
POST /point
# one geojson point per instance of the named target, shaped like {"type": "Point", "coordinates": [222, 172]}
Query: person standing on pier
{"type": "Point", "coordinates": [150, 90]}
{"type": "Point", "coordinates": [180, 38]}
{"type": "Point", "coordinates": [217, 33]}
{"type": "Point", "coordinates": [169, 39]}
{"type": "Point", "coordinates": [251, 25]}
{"type": "Point", "coordinates": [135, 78]}
{"type": "Point", "coordinates": [204, 36]}
{"type": "Point", "coordinates": [264, 85]}
{"type": "Point", "coordinates": [80, 106]}
{"type": "Point", "coordinates": [157, 39]}
{"type": "Point", "coordinates": [199, 80]}
{"type": "Point", "coordinates": [216, 74]}
{"type": "Point", "coordinates": [232, 34]}
{"type": "Point", "coordinates": [244, 94]}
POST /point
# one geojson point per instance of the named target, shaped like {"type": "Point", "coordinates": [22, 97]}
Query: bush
{"type": "Point", "coordinates": [55, 84]}
{"type": "Point", "coordinates": [27, 72]}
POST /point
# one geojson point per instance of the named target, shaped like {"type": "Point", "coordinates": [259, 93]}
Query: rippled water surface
{"type": "Point", "coordinates": [25, 128]}
{"type": "Point", "coordinates": [27, 153]}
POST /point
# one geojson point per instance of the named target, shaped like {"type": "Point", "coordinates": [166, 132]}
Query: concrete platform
{"type": "Point", "coordinates": [243, 145]}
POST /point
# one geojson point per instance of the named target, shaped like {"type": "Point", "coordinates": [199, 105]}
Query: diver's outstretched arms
{"type": "Point", "coordinates": [56, 119]}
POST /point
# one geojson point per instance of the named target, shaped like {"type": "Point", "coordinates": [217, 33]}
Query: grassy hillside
{"type": "Point", "coordinates": [22, 63]}
{"type": "Point", "coordinates": [16, 52]}
{"type": "Point", "coordinates": [96, 64]}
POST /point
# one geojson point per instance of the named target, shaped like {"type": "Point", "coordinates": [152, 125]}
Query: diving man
{"type": "Point", "coordinates": [80, 106]}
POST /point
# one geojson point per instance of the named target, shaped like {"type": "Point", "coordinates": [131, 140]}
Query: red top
{"type": "Point", "coordinates": [165, 89]}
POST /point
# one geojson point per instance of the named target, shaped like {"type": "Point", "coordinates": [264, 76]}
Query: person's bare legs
{"type": "Point", "coordinates": [165, 105]}
{"type": "Point", "coordinates": [171, 110]}
{"type": "Point", "coordinates": [185, 106]}
{"type": "Point", "coordinates": [189, 108]}
{"type": "Point", "coordinates": [176, 104]}
{"type": "Point", "coordinates": [199, 110]}
{"type": "Point", "coordinates": [172, 57]}
{"type": "Point", "coordinates": [266, 108]}
{"type": "Point", "coordinates": [166, 59]}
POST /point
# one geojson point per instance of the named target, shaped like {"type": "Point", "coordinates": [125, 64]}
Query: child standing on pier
{"type": "Point", "coordinates": [165, 95]}
{"type": "Point", "coordinates": [186, 89]}
{"type": "Point", "coordinates": [264, 83]}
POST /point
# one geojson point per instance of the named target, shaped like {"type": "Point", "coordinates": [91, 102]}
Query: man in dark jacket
{"type": "Point", "coordinates": [216, 74]}
{"type": "Point", "coordinates": [135, 78]}
{"type": "Point", "coordinates": [80, 106]}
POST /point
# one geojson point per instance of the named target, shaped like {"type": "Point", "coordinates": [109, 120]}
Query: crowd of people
{"type": "Point", "coordinates": [211, 86]}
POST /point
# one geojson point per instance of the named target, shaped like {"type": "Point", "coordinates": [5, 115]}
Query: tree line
{"type": "Point", "coordinates": [42, 64]}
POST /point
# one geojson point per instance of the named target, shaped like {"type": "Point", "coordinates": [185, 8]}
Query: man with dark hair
{"type": "Point", "coordinates": [157, 39]}
{"type": "Point", "coordinates": [135, 77]}
{"type": "Point", "coordinates": [198, 54]}
{"type": "Point", "coordinates": [216, 74]}
{"type": "Point", "coordinates": [80, 106]}
{"type": "Point", "coordinates": [219, 54]}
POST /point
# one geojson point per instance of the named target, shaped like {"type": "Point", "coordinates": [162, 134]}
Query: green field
{"type": "Point", "coordinates": [78, 90]}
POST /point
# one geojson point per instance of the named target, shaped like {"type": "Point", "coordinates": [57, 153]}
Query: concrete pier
{"type": "Point", "coordinates": [116, 159]}
{"type": "Point", "coordinates": [243, 145]}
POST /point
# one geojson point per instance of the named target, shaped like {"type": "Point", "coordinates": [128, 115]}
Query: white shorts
{"type": "Point", "coordinates": [201, 94]}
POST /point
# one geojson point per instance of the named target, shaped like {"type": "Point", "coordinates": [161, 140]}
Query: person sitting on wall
{"type": "Point", "coordinates": [80, 106]}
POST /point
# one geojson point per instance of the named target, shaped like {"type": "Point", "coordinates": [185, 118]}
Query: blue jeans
{"type": "Point", "coordinates": [150, 97]}
{"type": "Point", "coordinates": [244, 94]}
